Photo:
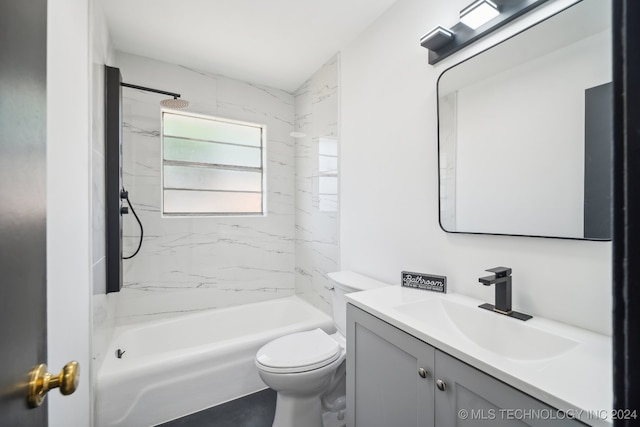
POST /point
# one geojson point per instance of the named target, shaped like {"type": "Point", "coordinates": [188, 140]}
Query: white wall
{"type": "Point", "coordinates": [389, 180]}
{"type": "Point", "coordinates": [69, 249]}
{"type": "Point", "coordinates": [188, 264]}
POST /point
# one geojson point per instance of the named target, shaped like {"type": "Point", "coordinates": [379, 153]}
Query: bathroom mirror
{"type": "Point", "coordinates": [525, 134]}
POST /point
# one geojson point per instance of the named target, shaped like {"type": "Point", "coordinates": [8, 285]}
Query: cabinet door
{"type": "Point", "coordinates": [384, 385]}
{"type": "Point", "coordinates": [473, 398]}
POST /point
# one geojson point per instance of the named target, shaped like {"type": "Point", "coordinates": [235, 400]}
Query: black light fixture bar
{"type": "Point", "coordinates": [148, 89]}
{"type": "Point", "coordinates": [437, 38]}
{"type": "Point", "coordinates": [464, 36]}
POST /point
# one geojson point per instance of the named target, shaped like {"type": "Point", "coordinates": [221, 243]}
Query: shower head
{"type": "Point", "coordinates": [174, 103]}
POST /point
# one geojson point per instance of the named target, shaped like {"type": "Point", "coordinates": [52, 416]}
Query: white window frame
{"type": "Point", "coordinates": [263, 167]}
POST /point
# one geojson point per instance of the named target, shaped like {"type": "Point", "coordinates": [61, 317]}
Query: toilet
{"type": "Point", "coordinates": [306, 366]}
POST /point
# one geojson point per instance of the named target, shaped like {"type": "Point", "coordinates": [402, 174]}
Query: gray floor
{"type": "Point", "coordinates": [255, 410]}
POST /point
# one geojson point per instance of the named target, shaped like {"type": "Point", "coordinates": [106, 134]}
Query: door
{"type": "Point", "coordinates": [23, 329]}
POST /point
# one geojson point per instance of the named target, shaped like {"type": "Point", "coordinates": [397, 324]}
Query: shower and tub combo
{"type": "Point", "coordinates": [160, 370]}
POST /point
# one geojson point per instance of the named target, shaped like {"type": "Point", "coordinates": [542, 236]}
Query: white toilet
{"type": "Point", "coordinates": [304, 366]}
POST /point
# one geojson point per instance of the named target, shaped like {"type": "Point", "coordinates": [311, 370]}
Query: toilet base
{"type": "Point", "coordinates": [297, 411]}
{"type": "Point", "coordinates": [334, 419]}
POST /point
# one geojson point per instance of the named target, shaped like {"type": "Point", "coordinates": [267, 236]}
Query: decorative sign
{"type": "Point", "coordinates": [427, 282]}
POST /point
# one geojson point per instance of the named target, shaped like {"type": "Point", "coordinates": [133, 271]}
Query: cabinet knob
{"type": "Point", "coordinates": [423, 372]}
{"type": "Point", "coordinates": [442, 386]}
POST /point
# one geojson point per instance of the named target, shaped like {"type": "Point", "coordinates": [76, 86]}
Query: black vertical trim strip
{"type": "Point", "coordinates": [598, 117]}
{"type": "Point", "coordinates": [619, 365]}
{"type": "Point", "coordinates": [113, 177]}
{"type": "Point", "coordinates": [626, 225]}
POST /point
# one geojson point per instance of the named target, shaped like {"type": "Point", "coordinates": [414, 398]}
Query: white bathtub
{"type": "Point", "coordinates": [174, 367]}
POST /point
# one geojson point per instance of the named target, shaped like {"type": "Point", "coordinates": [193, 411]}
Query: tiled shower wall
{"type": "Point", "coordinates": [189, 264]}
{"type": "Point", "coordinates": [317, 110]}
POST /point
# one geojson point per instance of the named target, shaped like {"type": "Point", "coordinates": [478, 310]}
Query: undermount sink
{"type": "Point", "coordinates": [500, 334]}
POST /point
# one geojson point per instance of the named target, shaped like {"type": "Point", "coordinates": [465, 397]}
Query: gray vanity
{"type": "Point", "coordinates": [398, 380]}
{"type": "Point", "coordinates": [419, 358]}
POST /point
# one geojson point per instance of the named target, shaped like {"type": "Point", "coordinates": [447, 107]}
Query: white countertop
{"type": "Point", "coordinates": [578, 381]}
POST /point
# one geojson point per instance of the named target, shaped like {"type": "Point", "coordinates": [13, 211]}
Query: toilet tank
{"type": "Point", "coordinates": [345, 282]}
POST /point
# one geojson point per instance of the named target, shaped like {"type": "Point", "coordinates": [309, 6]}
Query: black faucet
{"type": "Point", "coordinates": [502, 281]}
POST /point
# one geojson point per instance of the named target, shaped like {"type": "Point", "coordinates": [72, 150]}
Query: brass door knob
{"type": "Point", "coordinates": [41, 381]}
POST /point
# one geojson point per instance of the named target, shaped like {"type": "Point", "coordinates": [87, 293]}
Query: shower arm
{"type": "Point", "coordinates": [148, 89]}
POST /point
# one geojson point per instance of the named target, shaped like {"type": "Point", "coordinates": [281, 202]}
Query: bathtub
{"type": "Point", "coordinates": [177, 366]}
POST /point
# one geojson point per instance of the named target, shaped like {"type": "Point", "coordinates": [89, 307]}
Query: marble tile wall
{"type": "Point", "coordinates": [317, 251]}
{"type": "Point", "coordinates": [190, 264]}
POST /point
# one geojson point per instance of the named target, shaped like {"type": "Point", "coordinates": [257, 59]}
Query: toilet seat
{"type": "Point", "coordinates": [298, 352]}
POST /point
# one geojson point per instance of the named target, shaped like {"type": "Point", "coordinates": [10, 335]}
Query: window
{"type": "Point", "coordinates": [327, 175]}
{"type": "Point", "coordinates": [211, 166]}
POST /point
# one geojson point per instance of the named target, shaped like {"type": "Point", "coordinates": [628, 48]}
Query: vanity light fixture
{"type": "Point", "coordinates": [477, 20]}
{"type": "Point", "coordinates": [479, 13]}
{"type": "Point", "coordinates": [436, 38]}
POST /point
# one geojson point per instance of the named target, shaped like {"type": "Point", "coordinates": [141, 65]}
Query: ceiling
{"type": "Point", "coordinates": [277, 43]}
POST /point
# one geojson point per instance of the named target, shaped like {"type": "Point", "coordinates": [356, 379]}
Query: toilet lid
{"type": "Point", "coordinates": [299, 352]}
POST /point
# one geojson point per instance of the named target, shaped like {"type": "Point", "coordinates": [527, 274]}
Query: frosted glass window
{"type": "Point", "coordinates": [211, 202]}
{"type": "Point", "coordinates": [327, 174]}
{"type": "Point", "coordinates": [194, 127]}
{"type": "Point", "coordinates": [328, 164]}
{"type": "Point", "coordinates": [210, 152]}
{"type": "Point", "coordinates": [328, 185]}
{"type": "Point", "coordinates": [211, 166]}
{"type": "Point", "coordinates": [186, 177]}
{"type": "Point", "coordinates": [328, 147]}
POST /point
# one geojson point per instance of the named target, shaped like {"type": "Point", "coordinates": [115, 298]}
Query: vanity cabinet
{"type": "Point", "coordinates": [395, 379]}
{"type": "Point", "coordinates": [384, 383]}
